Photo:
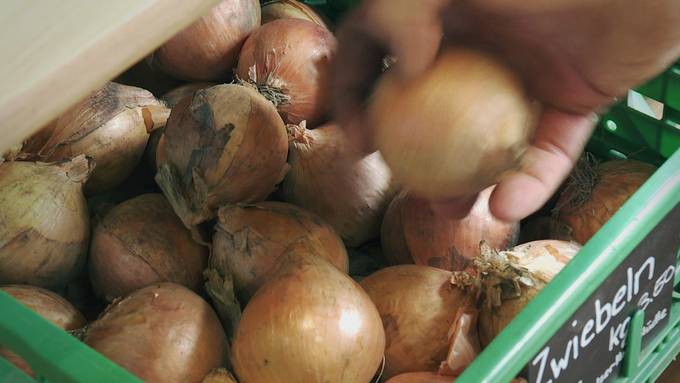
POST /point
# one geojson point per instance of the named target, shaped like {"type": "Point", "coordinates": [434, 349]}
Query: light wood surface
{"type": "Point", "coordinates": [54, 52]}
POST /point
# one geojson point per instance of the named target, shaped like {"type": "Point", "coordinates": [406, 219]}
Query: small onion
{"type": "Point", "coordinates": [595, 192]}
{"type": "Point", "coordinates": [349, 191]}
{"type": "Point", "coordinates": [48, 305]}
{"type": "Point", "coordinates": [510, 279]}
{"type": "Point", "coordinates": [141, 242]}
{"type": "Point", "coordinates": [44, 222]}
{"type": "Point", "coordinates": [162, 333]}
{"type": "Point", "coordinates": [454, 130]}
{"type": "Point", "coordinates": [226, 145]}
{"type": "Point", "coordinates": [249, 241]}
{"type": "Point", "coordinates": [207, 49]}
{"type": "Point", "coordinates": [418, 306]}
{"type": "Point", "coordinates": [309, 323]}
{"type": "Point", "coordinates": [289, 61]}
{"type": "Point", "coordinates": [290, 9]}
{"type": "Point", "coordinates": [219, 375]}
{"type": "Point", "coordinates": [413, 232]}
{"type": "Point", "coordinates": [110, 125]}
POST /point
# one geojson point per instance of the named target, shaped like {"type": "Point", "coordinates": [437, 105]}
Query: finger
{"type": "Point", "coordinates": [558, 142]}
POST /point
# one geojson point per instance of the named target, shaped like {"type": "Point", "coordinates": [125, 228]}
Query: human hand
{"type": "Point", "coordinates": [576, 56]}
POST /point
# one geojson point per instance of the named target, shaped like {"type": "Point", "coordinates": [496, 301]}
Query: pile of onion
{"type": "Point", "coordinates": [141, 242]}
{"type": "Point", "coordinates": [455, 130]}
{"type": "Point", "coordinates": [413, 232]}
{"type": "Point", "coordinates": [208, 48]}
{"type": "Point", "coordinates": [161, 333]}
{"type": "Point", "coordinates": [290, 9]}
{"type": "Point", "coordinates": [419, 307]}
{"type": "Point", "coordinates": [309, 323]}
{"type": "Point", "coordinates": [289, 60]}
{"type": "Point", "coordinates": [510, 279]}
{"type": "Point", "coordinates": [350, 191]}
{"type": "Point", "coordinates": [227, 144]}
{"type": "Point", "coordinates": [44, 222]}
{"type": "Point", "coordinates": [249, 241]}
{"type": "Point", "coordinates": [595, 192]}
{"type": "Point", "coordinates": [111, 125]}
{"type": "Point", "coordinates": [48, 305]}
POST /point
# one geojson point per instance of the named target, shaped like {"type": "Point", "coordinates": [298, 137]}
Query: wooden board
{"type": "Point", "coordinates": [54, 52]}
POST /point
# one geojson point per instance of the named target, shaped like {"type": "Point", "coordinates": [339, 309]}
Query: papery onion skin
{"type": "Point", "coordinates": [417, 305]}
{"type": "Point", "coordinates": [327, 329]}
{"type": "Point", "coordinates": [47, 304]}
{"type": "Point", "coordinates": [413, 232]}
{"type": "Point", "coordinates": [348, 190]}
{"type": "Point", "coordinates": [162, 333]}
{"type": "Point", "coordinates": [141, 242]}
{"type": "Point", "coordinates": [219, 375]}
{"type": "Point", "coordinates": [421, 377]}
{"type": "Point", "coordinates": [176, 95]}
{"type": "Point", "coordinates": [226, 145]}
{"type": "Point", "coordinates": [615, 182]}
{"type": "Point", "coordinates": [455, 130]}
{"type": "Point", "coordinates": [207, 49]}
{"type": "Point", "coordinates": [292, 58]}
{"type": "Point", "coordinates": [44, 222]}
{"type": "Point", "coordinates": [249, 241]}
{"type": "Point", "coordinates": [281, 9]}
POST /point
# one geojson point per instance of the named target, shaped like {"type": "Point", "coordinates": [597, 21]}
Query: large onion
{"type": "Point", "coordinates": [176, 95]}
{"type": "Point", "coordinates": [48, 305]}
{"type": "Point", "coordinates": [225, 145]}
{"type": "Point", "coordinates": [249, 241]}
{"type": "Point", "coordinates": [510, 279]}
{"type": "Point", "coordinates": [44, 224]}
{"type": "Point", "coordinates": [290, 9]}
{"type": "Point", "coordinates": [162, 333]}
{"type": "Point", "coordinates": [310, 323]}
{"type": "Point", "coordinates": [454, 130]}
{"type": "Point", "coordinates": [413, 232]}
{"type": "Point", "coordinates": [595, 192]}
{"type": "Point", "coordinates": [349, 191]}
{"type": "Point", "coordinates": [289, 62]}
{"type": "Point", "coordinates": [418, 305]}
{"type": "Point", "coordinates": [141, 242]}
{"type": "Point", "coordinates": [208, 48]}
{"type": "Point", "coordinates": [110, 125]}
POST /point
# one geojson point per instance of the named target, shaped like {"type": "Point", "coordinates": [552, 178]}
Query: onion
{"type": "Point", "coordinates": [219, 375]}
{"type": "Point", "coordinates": [418, 306]}
{"type": "Point", "coordinates": [538, 227]}
{"type": "Point", "coordinates": [413, 232]}
{"type": "Point", "coordinates": [454, 130]}
{"type": "Point", "coordinates": [595, 192]}
{"type": "Point", "coordinates": [349, 191]}
{"type": "Point", "coordinates": [110, 125]}
{"type": "Point", "coordinates": [289, 62]}
{"type": "Point", "coordinates": [225, 145]}
{"type": "Point", "coordinates": [290, 9]}
{"type": "Point", "coordinates": [48, 305]}
{"type": "Point", "coordinates": [141, 242]}
{"type": "Point", "coordinates": [161, 333]}
{"type": "Point", "coordinates": [249, 241]}
{"type": "Point", "coordinates": [510, 279]}
{"type": "Point", "coordinates": [421, 377]}
{"type": "Point", "coordinates": [44, 224]}
{"type": "Point", "coordinates": [309, 323]}
{"type": "Point", "coordinates": [208, 48]}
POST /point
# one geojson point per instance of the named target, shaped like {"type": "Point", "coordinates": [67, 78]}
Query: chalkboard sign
{"type": "Point", "coordinates": [590, 346]}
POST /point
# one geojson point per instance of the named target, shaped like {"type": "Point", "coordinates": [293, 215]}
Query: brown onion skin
{"type": "Point", "coordinates": [417, 305]}
{"type": "Point", "coordinates": [413, 232]}
{"type": "Point", "coordinates": [282, 9]}
{"type": "Point", "coordinates": [162, 333]}
{"type": "Point", "coordinates": [310, 323]}
{"type": "Point", "coordinates": [44, 222]}
{"type": "Point", "coordinates": [617, 181]}
{"type": "Point", "coordinates": [47, 304]}
{"type": "Point", "coordinates": [207, 50]}
{"type": "Point", "coordinates": [219, 375]}
{"type": "Point", "coordinates": [421, 377]}
{"type": "Point", "coordinates": [141, 242]}
{"type": "Point", "coordinates": [446, 136]}
{"type": "Point", "coordinates": [249, 241]}
{"type": "Point", "coordinates": [293, 56]}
